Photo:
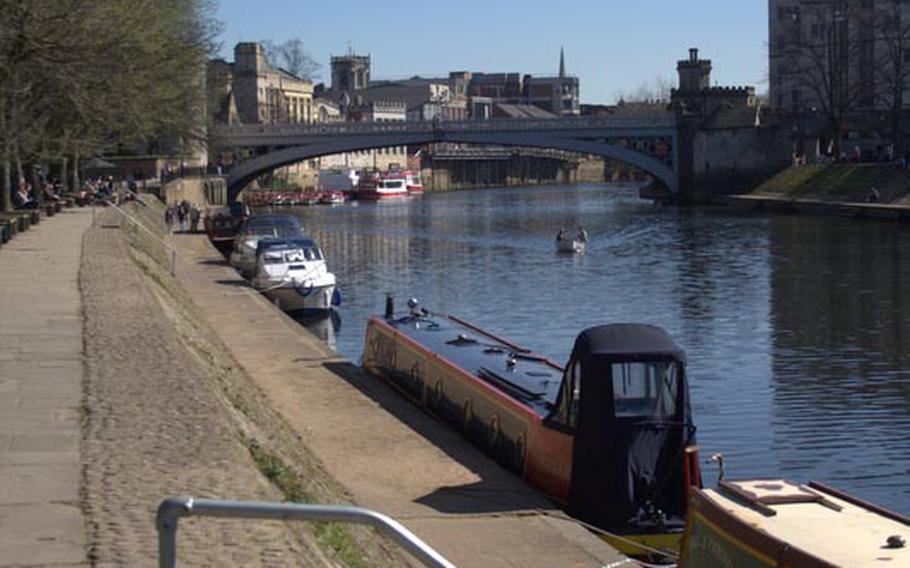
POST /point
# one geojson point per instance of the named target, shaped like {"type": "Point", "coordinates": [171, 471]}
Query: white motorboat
{"type": "Point", "coordinates": [254, 229]}
{"type": "Point", "coordinates": [291, 272]}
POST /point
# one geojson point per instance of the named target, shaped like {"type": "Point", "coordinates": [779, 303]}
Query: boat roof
{"type": "Point", "coordinates": [628, 340]}
{"type": "Point", "coordinates": [831, 526]}
{"type": "Point", "coordinates": [531, 379]}
{"type": "Point", "coordinates": [287, 242]}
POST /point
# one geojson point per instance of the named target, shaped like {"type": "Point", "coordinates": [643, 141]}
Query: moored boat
{"type": "Point", "coordinates": [292, 273]}
{"type": "Point", "coordinates": [759, 523]}
{"type": "Point", "coordinates": [610, 437]}
{"type": "Point", "coordinates": [255, 228]}
{"type": "Point", "coordinates": [221, 226]}
{"type": "Point", "coordinates": [331, 197]}
{"type": "Point", "coordinates": [413, 183]}
{"type": "Point", "coordinates": [380, 187]}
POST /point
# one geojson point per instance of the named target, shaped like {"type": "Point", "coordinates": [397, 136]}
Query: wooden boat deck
{"type": "Point", "coordinates": [838, 531]}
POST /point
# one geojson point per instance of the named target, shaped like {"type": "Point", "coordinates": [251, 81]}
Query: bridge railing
{"type": "Point", "coordinates": [424, 127]}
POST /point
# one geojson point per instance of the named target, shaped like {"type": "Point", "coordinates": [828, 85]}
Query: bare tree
{"type": "Point", "coordinates": [657, 90]}
{"type": "Point", "coordinates": [822, 57]}
{"type": "Point", "coordinates": [892, 68]}
{"type": "Point", "coordinates": [292, 57]}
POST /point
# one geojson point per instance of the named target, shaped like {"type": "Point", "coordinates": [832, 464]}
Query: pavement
{"type": "Point", "coordinates": [897, 210]}
{"type": "Point", "coordinates": [388, 454]}
{"type": "Point", "coordinates": [41, 523]}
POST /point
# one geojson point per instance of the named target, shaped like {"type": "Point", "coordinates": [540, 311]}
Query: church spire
{"type": "Point", "coordinates": [562, 63]}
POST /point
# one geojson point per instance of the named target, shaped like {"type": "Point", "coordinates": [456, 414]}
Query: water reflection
{"type": "Point", "coordinates": [840, 362]}
{"type": "Point", "coordinates": [324, 325]}
{"type": "Point", "coordinates": [794, 327]}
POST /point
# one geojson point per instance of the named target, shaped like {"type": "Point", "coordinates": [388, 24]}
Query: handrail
{"type": "Point", "coordinates": [173, 508]}
{"type": "Point", "coordinates": [423, 127]}
{"type": "Point", "coordinates": [150, 232]}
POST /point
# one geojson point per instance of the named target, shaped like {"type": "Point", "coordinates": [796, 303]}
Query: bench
{"type": "Point", "coordinates": [12, 223]}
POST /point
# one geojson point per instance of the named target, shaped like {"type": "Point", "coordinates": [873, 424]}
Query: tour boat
{"type": "Point", "coordinates": [760, 523]}
{"type": "Point", "coordinates": [382, 187]}
{"type": "Point", "coordinates": [292, 273]}
{"type": "Point", "coordinates": [413, 183]}
{"type": "Point", "coordinates": [610, 437]}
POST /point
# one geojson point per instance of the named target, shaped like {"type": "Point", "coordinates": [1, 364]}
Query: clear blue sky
{"type": "Point", "coordinates": [613, 46]}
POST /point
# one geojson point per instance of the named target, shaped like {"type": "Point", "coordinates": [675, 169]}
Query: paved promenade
{"type": "Point", "coordinates": [40, 394]}
{"type": "Point", "coordinates": [389, 455]}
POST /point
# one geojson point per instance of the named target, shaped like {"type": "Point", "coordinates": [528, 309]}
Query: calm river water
{"type": "Point", "coordinates": [797, 329]}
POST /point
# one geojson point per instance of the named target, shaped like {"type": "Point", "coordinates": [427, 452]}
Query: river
{"type": "Point", "coordinates": [796, 328]}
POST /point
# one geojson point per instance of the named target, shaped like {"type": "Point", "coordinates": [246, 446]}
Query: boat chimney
{"type": "Point", "coordinates": [389, 306]}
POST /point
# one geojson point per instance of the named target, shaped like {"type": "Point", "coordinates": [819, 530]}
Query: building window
{"type": "Point", "coordinates": [796, 97]}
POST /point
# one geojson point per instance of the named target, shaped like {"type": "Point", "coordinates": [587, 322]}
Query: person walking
{"type": "Point", "coordinates": [169, 218]}
{"type": "Point", "coordinates": [181, 218]}
{"type": "Point", "coordinates": [194, 218]}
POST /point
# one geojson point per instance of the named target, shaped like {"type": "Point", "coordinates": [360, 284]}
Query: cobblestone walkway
{"type": "Point", "coordinates": [154, 427]}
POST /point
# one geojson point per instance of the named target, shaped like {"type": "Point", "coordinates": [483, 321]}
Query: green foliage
{"type": "Point", "coordinates": [82, 76]}
{"type": "Point", "coordinates": [840, 182]}
{"type": "Point", "coordinates": [333, 536]}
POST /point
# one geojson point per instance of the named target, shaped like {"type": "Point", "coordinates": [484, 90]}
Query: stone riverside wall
{"type": "Point", "coordinates": [166, 412]}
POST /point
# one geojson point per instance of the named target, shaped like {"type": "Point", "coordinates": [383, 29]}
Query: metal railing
{"type": "Point", "coordinates": [173, 508]}
{"type": "Point", "coordinates": [504, 124]}
{"type": "Point", "coordinates": [162, 252]}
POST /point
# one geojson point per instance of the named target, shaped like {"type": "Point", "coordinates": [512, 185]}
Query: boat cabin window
{"type": "Point", "coordinates": [291, 255]}
{"type": "Point", "coordinates": [645, 389]}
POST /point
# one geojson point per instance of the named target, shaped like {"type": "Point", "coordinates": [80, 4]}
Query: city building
{"type": "Point", "coordinates": [695, 95]}
{"type": "Point", "coordinates": [838, 53]}
{"type": "Point", "coordinates": [362, 110]}
{"type": "Point", "coordinates": [266, 95]}
{"type": "Point", "coordinates": [350, 72]}
{"type": "Point", "coordinates": [558, 95]}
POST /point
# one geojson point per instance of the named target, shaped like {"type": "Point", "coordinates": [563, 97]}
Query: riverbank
{"type": "Point", "coordinates": [384, 452]}
{"type": "Point", "coordinates": [196, 385]}
{"type": "Point", "coordinates": [872, 191]}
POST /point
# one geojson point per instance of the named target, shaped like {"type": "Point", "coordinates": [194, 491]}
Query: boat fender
{"type": "Point", "coordinates": [336, 297]}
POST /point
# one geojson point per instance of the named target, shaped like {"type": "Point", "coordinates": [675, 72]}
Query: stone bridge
{"type": "Point", "coordinates": [648, 142]}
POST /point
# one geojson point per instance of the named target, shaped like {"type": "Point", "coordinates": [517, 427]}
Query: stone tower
{"type": "Point", "coordinates": [694, 73]}
{"type": "Point", "coordinates": [250, 68]}
{"type": "Point", "coordinates": [350, 72]}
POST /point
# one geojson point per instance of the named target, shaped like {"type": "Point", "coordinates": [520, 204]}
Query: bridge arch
{"type": "Point", "coordinates": [595, 143]}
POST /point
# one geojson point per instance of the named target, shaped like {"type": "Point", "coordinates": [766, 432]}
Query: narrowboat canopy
{"type": "Point", "coordinates": [628, 342]}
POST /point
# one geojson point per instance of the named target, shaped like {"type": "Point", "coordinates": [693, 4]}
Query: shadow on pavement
{"type": "Point", "coordinates": [497, 491]}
